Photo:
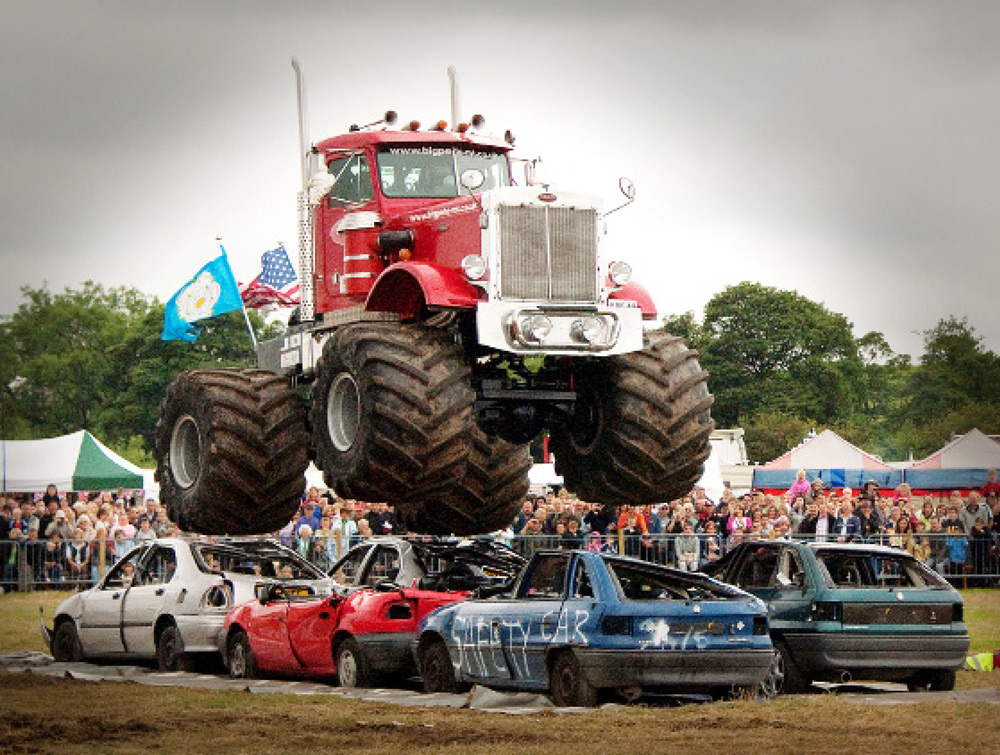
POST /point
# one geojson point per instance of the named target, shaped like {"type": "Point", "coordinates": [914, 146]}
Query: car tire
{"type": "Point", "coordinates": [774, 683]}
{"type": "Point", "coordinates": [934, 680]}
{"type": "Point", "coordinates": [170, 655]}
{"type": "Point", "coordinates": [66, 645]}
{"type": "Point", "coordinates": [795, 682]}
{"type": "Point", "coordinates": [240, 658]}
{"type": "Point", "coordinates": [353, 668]}
{"type": "Point", "coordinates": [568, 684]}
{"type": "Point", "coordinates": [436, 668]}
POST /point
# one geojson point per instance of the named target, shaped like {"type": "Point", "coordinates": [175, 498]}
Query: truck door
{"type": "Point", "coordinates": [347, 210]}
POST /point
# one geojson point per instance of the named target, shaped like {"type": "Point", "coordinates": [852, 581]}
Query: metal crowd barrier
{"type": "Point", "coordinates": [71, 564]}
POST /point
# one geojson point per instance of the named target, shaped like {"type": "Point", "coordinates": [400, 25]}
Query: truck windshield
{"type": "Point", "coordinates": [434, 171]}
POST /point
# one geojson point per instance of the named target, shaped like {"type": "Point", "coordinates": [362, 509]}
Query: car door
{"type": "Point", "coordinates": [101, 621]}
{"type": "Point", "coordinates": [269, 636]}
{"type": "Point", "coordinates": [348, 570]}
{"type": "Point", "coordinates": [790, 602]}
{"type": "Point", "coordinates": [310, 625]}
{"type": "Point", "coordinates": [534, 621]}
{"type": "Point", "coordinates": [145, 598]}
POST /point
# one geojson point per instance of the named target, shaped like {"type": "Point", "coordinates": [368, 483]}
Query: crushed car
{"type": "Point", "coordinates": [361, 635]}
{"type": "Point", "coordinates": [167, 600]}
{"type": "Point", "coordinates": [580, 625]}
{"type": "Point", "coordinates": [842, 611]}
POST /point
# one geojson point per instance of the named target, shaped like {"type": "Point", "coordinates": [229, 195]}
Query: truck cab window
{"type": "Point", "coordinates": [352, 181]}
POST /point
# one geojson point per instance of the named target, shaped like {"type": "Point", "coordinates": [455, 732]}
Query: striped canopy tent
{"type": "Point", "coordinates": [830, 458]}
{"type": "Point", "coordinates": [962, 464]}
{"type": "Point", "coordinates": [77, 461]}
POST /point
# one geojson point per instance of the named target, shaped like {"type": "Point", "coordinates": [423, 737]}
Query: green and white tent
{"type": "Point", "coordinates": [77, 461]}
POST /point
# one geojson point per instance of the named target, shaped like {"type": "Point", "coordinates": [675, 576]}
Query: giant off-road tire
{"type": "Point", "coordinates": [391, 412]}
{"type": "Point", "coordinates": [486, 499]}
{"type": "Point", "coordinates": [640, 430]}
{"type": "Point", "coordinates": [231, 451]}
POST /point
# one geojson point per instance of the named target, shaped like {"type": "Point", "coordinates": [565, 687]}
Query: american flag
{"type": "Point", "coordinates": [276, 284]}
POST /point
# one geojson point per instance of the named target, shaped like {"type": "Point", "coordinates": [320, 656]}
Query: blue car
{"type": "Point", "coordinates": [578, 624]}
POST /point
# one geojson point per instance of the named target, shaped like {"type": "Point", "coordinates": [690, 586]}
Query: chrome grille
{"type": "Point", "coordinates": [548, 253]}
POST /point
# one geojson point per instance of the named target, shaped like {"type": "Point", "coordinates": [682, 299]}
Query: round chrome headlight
{"type": "Point", "coordinates": [536, 327]}
{"type": "Point", "coordinates": [474, 266]}
{"type": "Point", "coordinates": [620, 273]}
{"type": "Point", "coordinates": [589, 330]}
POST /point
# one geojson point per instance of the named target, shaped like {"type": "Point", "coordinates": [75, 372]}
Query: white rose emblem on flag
{"type": "Point", "coordinates": [198, 298]}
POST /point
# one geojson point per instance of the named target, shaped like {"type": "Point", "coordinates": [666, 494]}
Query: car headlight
{"type": "Point", "coordinates": [474, 266]}
{"type": "Point", "coordinates": [620, 273]}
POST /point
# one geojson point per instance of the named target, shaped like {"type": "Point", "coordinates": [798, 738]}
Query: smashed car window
{"type": "Point", "coordinates": [384, 567]}
{"type": "Point", "coordinates": [758, 569]}
{"type": "Point", "coordinates": [876, 570]}
{"type": "Point", "coordinates": [639, 582]}
{"type": "Point", "coordinates": [548, 578]}
{"type": "Point", "coordinates": [258, 559]}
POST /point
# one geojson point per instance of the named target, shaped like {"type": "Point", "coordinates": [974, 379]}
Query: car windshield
{"type": "Point", "coordinates": [258, 559]}
{"type": "Point", "coordinates": [435, 171]}
{"type": "Point", "coordinates": [876, 570]}
{"type": "Point", "coordinates": [638, 582]}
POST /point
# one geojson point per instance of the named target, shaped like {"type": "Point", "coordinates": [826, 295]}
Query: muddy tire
{"type": "Point", "coordinates": [486, 499]}
{"type": "Point", "coordinates": [66, 645]}
{"type": "Point", "coordinates": [391, 412]}
{"type": "Point", "coordinates": [933, 680]}
{"type": "Point", "coordinates": [353, 668]}
{"type": "Point", "coordinates": [170, 655]}
{"type": "Point", "coordinates": [231, 451]}
{"type": "Point", "coordinates": [640, 430]}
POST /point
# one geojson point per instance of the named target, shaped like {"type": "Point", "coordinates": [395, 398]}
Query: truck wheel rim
{"type": "Point", "coordinates": [185, 451]}
{"type": "Point", "coordinates": [343, 412]}
{"type": "Point", "coordinates": [347, 669]}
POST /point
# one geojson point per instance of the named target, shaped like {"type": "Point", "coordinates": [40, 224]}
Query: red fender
{"type": "Point", "coordinates": [406, 287]}
{"type": "Point", "coordinates": [637, 292]}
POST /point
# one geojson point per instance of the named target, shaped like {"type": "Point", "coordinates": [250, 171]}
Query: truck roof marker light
{"type": "Point", "coordinates": [388, 119]}
{"type": "Point", "coordinates": [440, 126]}
{"type": "Point", "coordinates": [477, 121]}
{"type": "Point", "coordinates": [412, 126]}
{"type": "Point", "coordinates": [508, 137]}
{"type": "Point", "coordinates": [461, 128]}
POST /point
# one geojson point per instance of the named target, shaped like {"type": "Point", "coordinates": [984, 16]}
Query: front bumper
{"type": "Point", "coordinates": [875, 656]}
{"type": "Point", "coordinates": [679, 671]}
{"type": "Point", "coordinates": [389, 652]}
{"type": "Point", "coordinates": [503, 325]}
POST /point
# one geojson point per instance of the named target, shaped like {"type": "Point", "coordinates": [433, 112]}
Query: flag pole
{"type": "Point", "coordinates": [243, 306]}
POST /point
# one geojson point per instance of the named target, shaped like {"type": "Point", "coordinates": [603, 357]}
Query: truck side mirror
{"type": "Point", "coordinates": [472, 179]}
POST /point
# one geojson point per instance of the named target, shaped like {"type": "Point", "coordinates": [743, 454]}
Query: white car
{"type": "Point", "coordinates": [167, 599]}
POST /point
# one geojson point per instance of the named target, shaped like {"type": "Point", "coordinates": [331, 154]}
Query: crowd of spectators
{"type": "Point", "coordinates": [71, 537]}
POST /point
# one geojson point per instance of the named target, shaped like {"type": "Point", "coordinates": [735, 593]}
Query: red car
{"type": "Point", "coordinates": [362, 637]}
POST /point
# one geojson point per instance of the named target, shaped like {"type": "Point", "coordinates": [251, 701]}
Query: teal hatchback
{"type": "Point", "coordinates": [842, 611]}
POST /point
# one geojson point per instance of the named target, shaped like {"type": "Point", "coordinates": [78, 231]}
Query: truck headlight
{"type": "Point", "coordinates": [589, 330]}
{"type": "Point", "coordinates": [474, 266]}
{"type": "Point", "coordinates": [620, 273]}
{"type": "Point", "coordinates": [536, 327]}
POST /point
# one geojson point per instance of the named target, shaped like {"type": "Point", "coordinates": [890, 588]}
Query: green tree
{"type": "Point", "coordinates": [93, 359]}
{"type": "Point", "coordinates": [767, 348]}
{"type": "Point", "coordinates": [772, 432]}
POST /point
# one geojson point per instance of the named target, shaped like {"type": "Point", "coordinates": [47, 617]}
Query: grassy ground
{"type": "Point", "coordinates": [42, 714]}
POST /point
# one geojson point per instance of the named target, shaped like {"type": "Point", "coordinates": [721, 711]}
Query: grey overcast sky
{"type": "Point", "coordinates": [847, 150]}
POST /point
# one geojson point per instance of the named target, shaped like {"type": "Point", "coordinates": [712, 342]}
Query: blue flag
{"type": "Point", "coordinates": [210, 292]}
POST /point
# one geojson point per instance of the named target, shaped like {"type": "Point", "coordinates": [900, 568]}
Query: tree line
{"type": "Point", "coordinates": [779, 366]}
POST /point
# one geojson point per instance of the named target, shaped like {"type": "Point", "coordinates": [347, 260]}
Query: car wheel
{"type": "Point", "coordinates": [353, 669]}
{"type": "Point", "coordinates": [241, 661]}
{"type": "Point", "coordinates": [774, 683]}
{"type": "Point", "coordinates": [933, 681]}
{"type": "Point", "coordinates": [66, 645]}
{"type": "Point", "coordinates": [170, 653]}
{"type": "Point", "coordinates": [569, 685]}
{"type": "Point", "coordinates": [794, 681]}
{"type": "Point", "coordinates": [437, 670]}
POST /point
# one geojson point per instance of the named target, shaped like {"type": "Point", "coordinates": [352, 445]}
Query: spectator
{"type": "Point", "coordinates": [815, 491]}
{"type": "Point", "coordinates": [847, 526]}
{"type": "Point", "coordinates": [52, 566]}
{"type": "Point", "coordinates": [633, 535]}
{"type": "Point", "coordinates": [76, 553]}
{"type": "Point", "coordinates": [868, 520]}
{"type": "Point", "coordinates": [991, 486]}
{"type": "Point", "coordinates": [974, 509]}
{"type": "Point", "coordinates": [526, 512]}
{"type": "Point", "coordinates": [819, 522]}
{"type": "Point", "coordinates": [598, 519]}
{"type": "Point", "coordinates": [162, 525]}
{"type": "Point", "coordinates": [60, 526]}
{"type": "Point", "coordinates": [980, 540]}
{"type": "Point", "coordinates": [952, 519]}
{"type": "Point", "coordinates": [303, 542]}
{"type": "Point", "coordinates": [145, 532]}
{"type": "Point", "coordinates": [711, 549]}
{"type": "Point", "coordinates": [572, 538]}
{"type": "Point", "coordinates": [958, 550]}
{"type": "Point", "coordinates": [688, 549]}
{"type": "Point", "coordinates": [799, 487]}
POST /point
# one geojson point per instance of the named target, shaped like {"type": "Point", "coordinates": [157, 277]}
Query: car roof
{"type": "Point", "coordinates": [858, 548]}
